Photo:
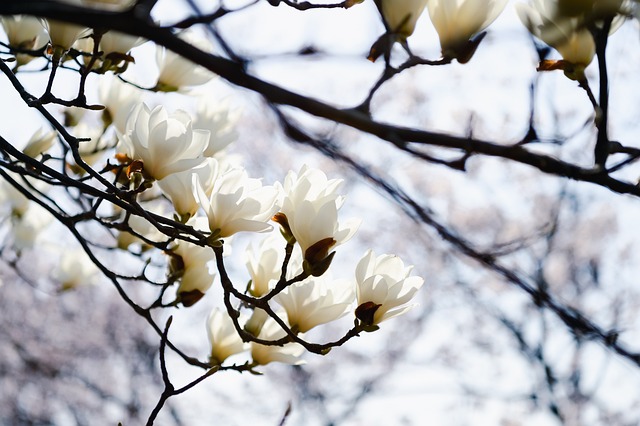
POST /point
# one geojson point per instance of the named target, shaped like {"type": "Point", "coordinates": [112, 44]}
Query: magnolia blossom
{"type": "Point", "coordinates": [27, 228]}
{"type": "Point", "coordinates": [264, 354]}
{"type": "Point", "coordinates": [256, 321]}
{"type": "Point", "coordinates": [177, 72]}
{"type": "Point", "coordinates": [12, 199]}
{"type": "Point", "coordinates": [223, 337]}
{"type": "Point", "coordinates": [114, 47]}
{"type": "Point", "coordinates": [458, 21]}
{"type": "Point", "coordinates": [39, 143]}
{"type": "Point", "coordinates": [24, 32]}
{"type": "Point", "coordinates": [401, 16]}
{"type": "Point", "coordinates": [315, 301]}
{"type": "Point", "coordinates": [237, 203]}
{"type": "Point", "coordinates": [16, 203]}
{"type": "Point", "coordinates": [119, 99]}
{"type": "Point", "coordinates": [219, 122]}
{"type": "Point", "coordinates": [384, 286]}
{"type": "Point", "coordinates": [179, 187]}
{"type": "Point", "coordinates": [164, 143]}
{"type": "Point", "coordinates": [311, 207]}
{"type": "Point", "coordinates": [63, 35]}
{"type": "Point", "coordinates": [264, 264]}
{"type": "Point", "coordinates": [115, 42]}
{"type": "Point", "coordinates": [74, 269]}
{"type": "Point", "coordinates": [114, 5]}
{"type": "Point", "coordinates": [574, 42]}
{"type": "Point", "coordinates": [192, 266]}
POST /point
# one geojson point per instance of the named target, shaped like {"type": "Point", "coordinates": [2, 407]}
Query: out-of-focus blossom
{"type": "Point", "coordinates": [113, 5]}
{"type": "Point", "coordinates": [223, 337]}
{"type": "Point", "coordinates": [264, 264]}
{"type": "Point", "coordinates": [257, 320]}
{"type": "Point", "coordinates": [14, 200]}
{"type": "Point", "coordinates": [27, 228]}
{"type": "Point", "coordinates": [384, 286]}
{"type": "Point", "coordinates": [114, 48]}
{"type": "Point", "coordinates": [315, 301]}
{"type": "Point", "coordinates": [164, 143]}
{"type": "Point", "coordinates": [573, 41]}
{"type": "Point", "coordinates": [72, 115]}
{"type": "Point", "coordinates": [310, 208]}
{"type": "Point", "coordinates": [39, 143]}
{"type": "Point", "coordinates": [237, 203]}
{"type": "Point", "coordinates": [179, 187]}
{"type": "Point", "coordinates": [24, 32]}
{"type": "Point", "coordinates": [74, 269]}
{"type": "Point", "coordinates": [219, 122]}
{"type": "Point", "coordinates": [176, 72]}
{"type": "Point", "coordinates": [119, 100]}
{"type": "Point", "coordinates": [191, 263]}
{"type": "Point", "coordinates": [401, 15]}
{"type": "Point", "coordinates": [264, 354]}
{"type": "Point", "coordinates": [63, 35]}
{"type": "Point", "coordinates": [458, 21]}
{"type": "Point", "coordinates": [114, 42]}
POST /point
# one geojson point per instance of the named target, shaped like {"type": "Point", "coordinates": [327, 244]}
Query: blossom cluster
{"type": "Point", "coordinates": [566, 25]}
{"type": "Point", "coordinates": [175, 164]}
{"type": "Point", "coordinates": [459, 23]}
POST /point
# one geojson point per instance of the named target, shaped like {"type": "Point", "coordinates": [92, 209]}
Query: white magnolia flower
{"type": "Point", "coordinates": [192, 265]}
{"type": "Point", "coordinates": [579, 48]}
{"type": "Point", "coordinates": [164, 143]}
{"type": "Point", "coordinates": [39, 143]}
{"type": "Point", "coordinates": [573, 41]}
{"type": "Point", "coordinates": [256, 321]}
{"type": "Point", "coordinates": [113, 45]}
{"type": "Point", "coordinates": [264, 354]}
{"type": "Point", "coordinates": [311, 206]}
{"type": "Point", "coordinates": [27, 228]}
{"type": "Point", "coordinates": [24, 32]}
{"type": "Point", "coordinates": [63, 35]}
{"type": "Point", "coordinates": [119, 99]}
{"type": "Point", "coordinates": [14, 201]}
{"type": "Point", "coordinates": [219, 122]}
{"type": "Point", "coordinates": [401, 15]}
{"type": "Point", "coordinates": [223, 337]}
{"type": "Point", "coordinates": [458, 21]}
{"type": "Point", "coordinates": [177, 72]}
{"type": "Point", "coordinates": [74, 269]}
{"type": "Point", "coordinates": [264, 264]}
{"type": "Point", "coordinates": [179, 186]}
{"type": "Point", "coordinates": [113, 5]}
{"type": "Point", "coordinates": [384, 286]}
{"type": "Point", "coordinates": [115, 42]}
{"type": "Point", "coordinates": [315, 301]}
{"type": "Point", "coordinates": [237, 203]}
